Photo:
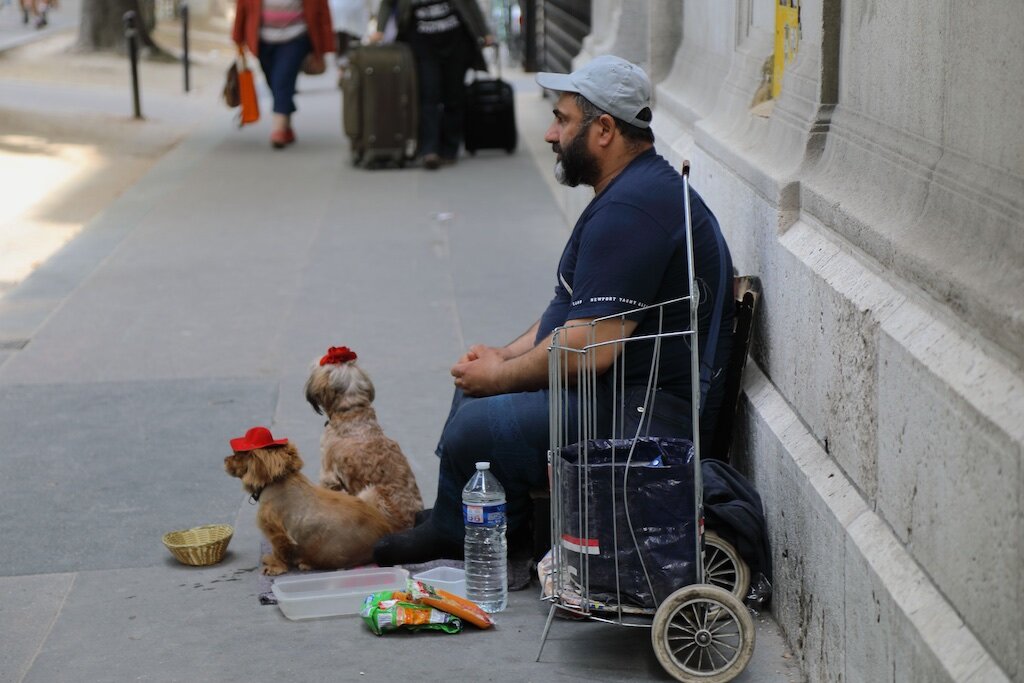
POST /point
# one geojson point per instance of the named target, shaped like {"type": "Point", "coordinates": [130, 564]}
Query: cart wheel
{"type": "Point", "coordinates": [723, 566]}
{"type": "Point", "coordinates": [703, 634]}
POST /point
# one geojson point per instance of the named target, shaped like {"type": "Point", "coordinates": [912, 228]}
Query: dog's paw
{"type": "Point", "coordinates": [272, 566]}
{"type": "Point", "coordinates": [305, 567]}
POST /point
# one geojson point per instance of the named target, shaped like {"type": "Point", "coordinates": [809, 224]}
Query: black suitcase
{"type": "Point", "coordinates": [380, 104]}
{"type": "Point", "coordinates": [490, 115]}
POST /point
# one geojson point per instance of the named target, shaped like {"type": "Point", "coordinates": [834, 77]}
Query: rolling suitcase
{"type": "Point", "coordinates": [380, 105]}
{"type": "Point", "coordinates": [490, 117]}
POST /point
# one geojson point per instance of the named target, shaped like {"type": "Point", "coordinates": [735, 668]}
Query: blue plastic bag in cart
{"type": "Point", "coordinates": [642, 514]}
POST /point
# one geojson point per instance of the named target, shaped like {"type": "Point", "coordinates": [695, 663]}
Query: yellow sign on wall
{"type": "Point", "coordinates": [787, 40]}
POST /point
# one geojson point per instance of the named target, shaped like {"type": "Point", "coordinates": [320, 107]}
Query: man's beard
{"type": "Point", "coordinates": [577, 165]}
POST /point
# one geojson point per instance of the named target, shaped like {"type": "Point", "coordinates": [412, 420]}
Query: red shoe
{"type": "Point", "coordinates": [280, 139]}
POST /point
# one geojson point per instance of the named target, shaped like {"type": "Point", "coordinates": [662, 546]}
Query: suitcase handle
{"type": "Point", "coordinates": [497, 58]}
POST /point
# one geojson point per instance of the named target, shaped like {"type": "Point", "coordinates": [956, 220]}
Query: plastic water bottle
{"type": "Point", "coordinates": [483, 511]}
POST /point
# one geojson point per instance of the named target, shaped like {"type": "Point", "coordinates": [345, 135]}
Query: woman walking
{"type": "Point", "coordinates": [282, 34]}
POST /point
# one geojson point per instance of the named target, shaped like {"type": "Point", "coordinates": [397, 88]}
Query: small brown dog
{"type": "Point", "coordinates": [354, 451]}
{"type": "Point", "coordinates": [308, 526]}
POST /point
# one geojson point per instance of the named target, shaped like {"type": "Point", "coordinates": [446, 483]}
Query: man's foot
{"type": "Point", "coordinates": [420, 544]}
{"type": "Point", "coordinates": [520, 557]}
{"type": "Point", "coordinates": [520, 573]}
{"type": "Point", "coordinates": [431, 162]}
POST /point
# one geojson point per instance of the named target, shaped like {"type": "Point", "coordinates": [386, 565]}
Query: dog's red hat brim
{"type": "Point", "coordinates": [257, 437]}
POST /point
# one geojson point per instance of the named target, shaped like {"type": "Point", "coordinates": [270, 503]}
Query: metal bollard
{"type": "Point", "coordinates": [184, 42]}
{"type": "Point", "coordinates": [132, 35]}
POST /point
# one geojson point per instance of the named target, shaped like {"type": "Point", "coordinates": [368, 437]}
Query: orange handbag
{"type": "Point", "coordinates": [250, 106]}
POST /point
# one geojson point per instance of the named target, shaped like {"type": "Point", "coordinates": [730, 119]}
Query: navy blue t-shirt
{"type": "Point", "coordinates": [628, 250]}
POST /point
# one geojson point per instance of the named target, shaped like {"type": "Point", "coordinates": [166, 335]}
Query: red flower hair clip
{"type": "Point", "coordinates": [337, 355]}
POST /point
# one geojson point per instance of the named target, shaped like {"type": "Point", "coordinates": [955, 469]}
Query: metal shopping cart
{"type": "Point", "coordinates": [626, 499]}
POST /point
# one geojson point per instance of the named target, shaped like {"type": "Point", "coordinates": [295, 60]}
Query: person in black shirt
{"type": "Point", "coordinates": [445, 36]}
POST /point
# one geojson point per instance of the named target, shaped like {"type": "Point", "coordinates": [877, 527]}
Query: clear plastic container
{"type": "Point", "coordinates": [334, 593]}
{"type": "Point", "coordinates": [486, 550]}
{"type": "Point", "coordinates": [451, 579]}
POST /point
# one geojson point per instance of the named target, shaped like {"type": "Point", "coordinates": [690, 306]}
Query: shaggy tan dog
{"type": "Point", "coordinates": [354, 451]}
{"type": "Point", "coordinates": [308, 526]}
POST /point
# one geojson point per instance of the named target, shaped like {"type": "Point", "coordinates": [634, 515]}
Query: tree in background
{"type": "Point", "coordinates": [102, 26]}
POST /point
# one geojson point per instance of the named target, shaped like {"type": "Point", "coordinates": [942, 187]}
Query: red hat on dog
{"type": "Point", "coordinates": [257, 437]}
{"type": "Point", "coordinates": [337, 355]}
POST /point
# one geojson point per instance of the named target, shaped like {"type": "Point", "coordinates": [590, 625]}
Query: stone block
{"type": "Point", "coordinates": [832, 552]}
{"type": "Point", "coordinates": [817, 348]}
{"type": "Point", "coordinates": [949, 478]}
{"type": "Point", "coordinates": [692, 86]}
{"type": "Point", "coordinates": [906, 631]}
{"type": "Point", "coordinates": [931, 187]}
{"type": "Point", "coordinates": [807, 536]}
{"type": "Point", "coordinates": [986, 126]}
{"type": "Point", "coordinates": [896, 80]}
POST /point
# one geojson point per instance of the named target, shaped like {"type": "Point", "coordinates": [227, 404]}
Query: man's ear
{"type": "Point", "coordinates": [606, 129]}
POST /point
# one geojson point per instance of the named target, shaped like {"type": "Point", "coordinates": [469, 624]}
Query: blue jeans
{"type": "Point", "coordinates": [511, 432]}
{"type": "Point", "coordinates": [281, 63]}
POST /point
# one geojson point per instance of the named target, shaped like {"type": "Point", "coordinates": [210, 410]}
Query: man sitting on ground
{"type": "Point", "coordinates": [628, 250]}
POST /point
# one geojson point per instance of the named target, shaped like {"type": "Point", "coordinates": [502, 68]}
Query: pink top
{"type": "Point", "coordinates": [281, 20]}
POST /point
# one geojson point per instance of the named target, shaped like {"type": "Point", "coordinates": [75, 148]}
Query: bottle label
{"type": "Point", "coordinates": [483, 515]}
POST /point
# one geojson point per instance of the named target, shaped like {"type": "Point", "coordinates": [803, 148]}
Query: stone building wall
{"type": "Point", "coordinates": [880, 199]}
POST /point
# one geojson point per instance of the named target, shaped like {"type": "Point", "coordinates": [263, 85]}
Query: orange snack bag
{"type": "Point", "coordinates": [389, 611]}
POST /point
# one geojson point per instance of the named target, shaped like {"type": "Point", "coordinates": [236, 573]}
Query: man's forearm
{"type": "Point", "coordinates": [486, 371]}
{"type": "Point", "coordinates": [523, 343]}
{"type": "Point", "coordinates": [527, 371]}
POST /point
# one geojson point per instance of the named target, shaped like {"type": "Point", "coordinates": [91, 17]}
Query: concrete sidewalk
{"type": "Point", "coordinates": [190, 310]}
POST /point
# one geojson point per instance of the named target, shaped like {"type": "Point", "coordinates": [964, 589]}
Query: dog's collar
{"type": "Point", "coordinates": [254, 497]}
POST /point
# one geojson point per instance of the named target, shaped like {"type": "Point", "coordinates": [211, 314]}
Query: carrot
{"type": "Point", "coordinates": [451, 603]}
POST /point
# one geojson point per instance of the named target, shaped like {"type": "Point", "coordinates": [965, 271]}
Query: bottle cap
{"type": "Point", "coordinates": [483, 466]}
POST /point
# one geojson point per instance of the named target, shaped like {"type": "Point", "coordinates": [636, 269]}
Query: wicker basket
{"type": "Point", "coordinates": [201, 545]}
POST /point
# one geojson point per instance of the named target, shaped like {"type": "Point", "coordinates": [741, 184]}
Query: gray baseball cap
{"type": "Point", "coordinates": [618, 87]}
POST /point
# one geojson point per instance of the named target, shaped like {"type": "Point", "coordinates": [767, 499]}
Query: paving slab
{"type": "Point", "coordinates": [205, 625]}
{"type": "Point", "coordinates": [101, 471]}
{"type": "Point", "coordinates": [29, 605]}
